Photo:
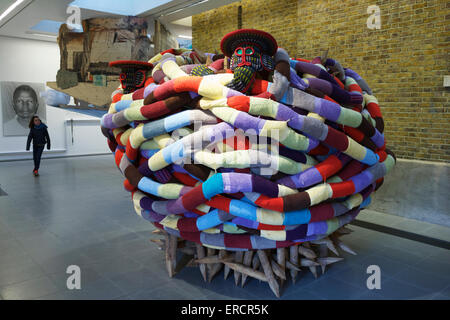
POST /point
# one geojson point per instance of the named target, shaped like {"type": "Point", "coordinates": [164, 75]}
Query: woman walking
{"type": "Point", "coordinates": [39, 135]}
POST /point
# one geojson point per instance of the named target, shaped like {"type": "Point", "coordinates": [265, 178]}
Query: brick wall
{"type": "Point", "coordinates": [404, 62]}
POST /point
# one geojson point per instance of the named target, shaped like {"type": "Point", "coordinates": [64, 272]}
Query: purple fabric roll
{"type": "Point", "coordinates": [149, 89]}
{"type": "Point", "coordinates": [315, 228]}
{"type": "Point", "coordinates": [352, 74]}
{"type": "Point", "coordinates": [245, 122]}
{"type": "Point", "coordinates": [361, 180]}
{"type": "Point", "coordinates": [297, 82]}
{"type": "Point", "coordinates": [295, 155]}
{"type": "Point", "coordinates": [237, 182]}
{"type": "Point", "coordinates": [284, 113]}
{"type": "Point", "coordinates": [107, 121]}
{"type": "Point", "coordinates": [264, 186]}
{"type": "Point", "coordinates": [245, 222]}
{"type": "Point", "coordinates": [327, 109]}
{"type": "Point", "coordinates": [297, 233]}
{"type": "Point", "coordinates": [322, 85]}
{"type": "Point", "coordinates": [145, 170]}
{"type": "Point", "coordinates": [378, 139]}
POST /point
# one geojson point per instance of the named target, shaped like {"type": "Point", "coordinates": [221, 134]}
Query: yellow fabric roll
{"type": "Point", "coordinates": [355, 150]}
{"type": "Point", "coordinates": [269, 216]}
{"type": "Point", "coordinates": [211, 89]}
{"type": "Point", "coordinates": [319, 193]}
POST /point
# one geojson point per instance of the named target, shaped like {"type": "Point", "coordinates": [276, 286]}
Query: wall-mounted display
{"type": "Point", "coordinates": [19, 102]}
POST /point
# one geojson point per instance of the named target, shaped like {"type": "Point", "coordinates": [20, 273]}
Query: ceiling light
{"type": "Point", "coordinates": [185, 7]}
{"type": "Point", "coordinates": [184, 37]}
{"type": "Point", "coordinates": [11, 8]}
{"type": "Point", "coordinates": [172, 12]}
{"type": "Point", "coordinates": [120, 7]}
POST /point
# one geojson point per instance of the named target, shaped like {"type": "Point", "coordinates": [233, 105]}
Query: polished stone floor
{"type": "Point", "coordinates": [76, 213]}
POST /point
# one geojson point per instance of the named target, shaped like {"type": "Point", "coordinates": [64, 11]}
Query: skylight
{"type": "Point", "coordinates": [121, 7]}
{"type": "Point", "coordinates": [51, 26]}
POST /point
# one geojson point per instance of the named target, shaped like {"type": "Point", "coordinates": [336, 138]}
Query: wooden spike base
{"type": "Point", "coordinates": [271, 265]}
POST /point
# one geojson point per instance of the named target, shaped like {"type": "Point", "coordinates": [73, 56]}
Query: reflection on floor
{"type": "Point", "coordinates": [76, 213]}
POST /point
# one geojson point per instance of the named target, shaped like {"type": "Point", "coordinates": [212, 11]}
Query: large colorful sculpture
{"type": "Point", "coordinates": [252, 161]}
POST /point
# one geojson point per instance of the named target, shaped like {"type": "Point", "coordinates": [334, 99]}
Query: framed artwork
{"type": "Point", "coordinates": [20, 101]}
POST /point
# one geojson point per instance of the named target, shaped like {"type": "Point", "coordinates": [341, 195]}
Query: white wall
{"type": "Point", "coordinates": [24, 60]}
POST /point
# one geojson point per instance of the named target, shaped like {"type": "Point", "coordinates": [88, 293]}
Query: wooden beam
{"type": "Point", "coordinates": [86, 91]}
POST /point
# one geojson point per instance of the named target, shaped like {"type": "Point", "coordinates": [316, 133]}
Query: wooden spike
{"type": "Point", "coordinates": [255, 262]}
{"type": "Point", "coordinates": [247, 271]}
{"type": "Point", "coordinates": [331, 246]}
{"type": "Point", "coordinates": [247, 262]}
{"type": "Point", "coordinates": [200, 255]}
{"type": "Point", "coordinates": [173, 245]}
{"type": "Point", "coordinates": [226, 271]}
{"type": "Point", "coordinates": [278, 270]}
{"type": "Point", "coordinates": [313, 268]}
{"type": "Point", "coordinates": [238, 257]}
{"type": "Point", "coordinates": [328, 243]}
{"type": "Point", "coordinates": [209, 252]}
{"type": "Point", "coordinates": [308, 263]}
{"type": "Point", "coordinates": [170, 253]}
{"type": "Point", "coordinates": [344, 247]}
{"type": "Point", "coordinates": [308, 253]}
{"type": "Point", "coordinates": [313, 271]}
{"type": "Point", "coordinates": [293, 260]}
{"type": "Point", "coordinates": [281, 261]}
{"type": "Point", "coordinates": [215, 269]}
{"type": "Point", "coordinates": [323, 252]}
{"type": "Point", "coordinates": [328, 260]}
{"type": "Point", "coordinates": [268, 272]}
{"type": "Point", "coordinates": [213, 259]}
{"type": "Point", "coordinates": [191, 263]}
{"type": "Point", "coordinates": [291, 266]}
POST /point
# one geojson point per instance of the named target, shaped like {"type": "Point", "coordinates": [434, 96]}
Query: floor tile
{"type": "Point", "coordinates": [424, 280]}
{"type": "Point", "coordinates": [20, 273]}
{"type": "Point", "coordinates": [31, 289]}
{"type": "Point", "coordinates": [333, 289]}
{"type": "Point", "coordinates": [101, 289]}
{"type": "Point", "coordinates": [167, 291]}
{"type": "Point", "coordinates": [395, 289]}
{"type": "Point", "coordinates": [139, 279]}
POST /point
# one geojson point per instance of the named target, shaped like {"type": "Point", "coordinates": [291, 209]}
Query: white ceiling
{"type": "Point", "coordinates": [30, 12]}
{"type": "Point", "coordinates": [187, 22]}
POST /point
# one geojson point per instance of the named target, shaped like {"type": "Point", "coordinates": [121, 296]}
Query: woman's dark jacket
{"type": "Point", "coordinates": [39, 135]}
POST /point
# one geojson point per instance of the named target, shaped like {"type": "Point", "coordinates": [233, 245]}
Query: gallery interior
{"type": "Point", "coordinates": [224, 150]}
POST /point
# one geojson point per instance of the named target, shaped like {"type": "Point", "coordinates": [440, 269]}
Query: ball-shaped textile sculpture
{"type": "Point", "coordinates": [250, 161]}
